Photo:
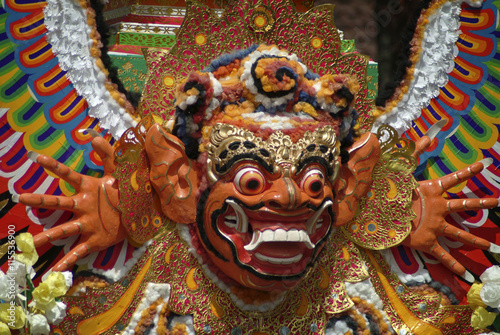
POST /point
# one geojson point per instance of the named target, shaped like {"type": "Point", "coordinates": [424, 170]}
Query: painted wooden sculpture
{"type": "Point", "coordinates": [264, 195]}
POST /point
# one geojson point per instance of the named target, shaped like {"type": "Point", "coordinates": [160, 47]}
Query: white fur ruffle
{"type": "Point", "coordinates": [69, 34]}
{"type": "Point", "coordinates": [431, 70]}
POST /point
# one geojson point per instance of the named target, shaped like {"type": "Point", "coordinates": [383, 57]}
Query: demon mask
{"type": "Point", "coordinates": [268, 137]}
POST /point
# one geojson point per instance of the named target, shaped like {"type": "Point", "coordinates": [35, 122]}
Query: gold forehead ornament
{"type": "Point", "coordinates": [230, 144]}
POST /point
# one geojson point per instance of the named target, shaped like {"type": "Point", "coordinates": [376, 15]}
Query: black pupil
{"type": "Point", "coordinates": [253, 184]}
{"type": "Point", "coordinates": [315, 186]}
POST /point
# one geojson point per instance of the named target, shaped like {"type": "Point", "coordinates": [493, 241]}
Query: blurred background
{"type": "Point", "coordinates": [379, 28]}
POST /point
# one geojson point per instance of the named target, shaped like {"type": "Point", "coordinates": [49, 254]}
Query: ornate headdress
{"type": "Point", "coordinates": [312, 36]}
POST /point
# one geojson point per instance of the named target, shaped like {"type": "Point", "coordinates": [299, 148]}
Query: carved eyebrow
{"type": "Point", "coordinates": [315, 159]}
{"type": "Point", "coordinates": [243, 156]}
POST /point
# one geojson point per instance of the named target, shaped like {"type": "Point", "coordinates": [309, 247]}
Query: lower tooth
{"type": "Point", "coordinates": [280, 261]}
{"type": "Point", "coordinates": [230, 224]}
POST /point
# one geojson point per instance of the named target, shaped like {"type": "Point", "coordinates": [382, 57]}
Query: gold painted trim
{"type": "Point", "coordinates": [413, 323]}
{"type": "Point", "coordinates": [144, 28]}
{"type": "Point", "coordinates": [170, 11]}
{"type": "Point", "coordinates": [106, 320]}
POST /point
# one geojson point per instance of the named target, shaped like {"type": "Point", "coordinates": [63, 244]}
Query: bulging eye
{"type": "Point", "coordinates": [312, 183]}
{"type": "Point", "coordinates": [249, 181]}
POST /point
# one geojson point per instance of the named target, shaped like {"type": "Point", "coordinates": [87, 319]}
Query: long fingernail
{"type": "Point", "coordinates": [494, 248]}
{"type": "Point", "coordinates": [15, 198]}
{"type": "Point", "coordinates": [468, 277]}
{"type": "Point", "coordinates": [498, 205]}
{"type": "Point", "coordinates": [435, 129]}
{"type": "Point", "coordinates": [92, 132]}
{"type": "Point", "coordinates": [452, 132]}
{"type": "Point", "coordinates": [486, 162]}
{"type": "Point", "coordinates": [32, 155]}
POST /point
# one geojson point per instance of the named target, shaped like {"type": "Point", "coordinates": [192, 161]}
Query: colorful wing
{"type": "Point", "coordinates": [53, 88]}
{"type": "Point", "coordinates": [455, 77]}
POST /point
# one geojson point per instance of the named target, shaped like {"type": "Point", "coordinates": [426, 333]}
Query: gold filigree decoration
{"type": "Point", "coordinates": [407, 310]}
{"type": "Point", "coordinates": [347, 258]}
{"type": "Point", "coordinates": [176, 12]}
{"type": "Point", "coordinates": [385, 213]}
{"type": "Point", "coordinates": [396, 151]}
{"type": "Point", "coordinates": [192, 293]}
{"type": "Point", "coordinates": [293, 31]}
{"type": "Point", "coordinates": [168, 260]}
{"type": "Point", "coordinates": [142, 222]}
{"type": "Point", "coordinates": [261, 19]}
{"type": "Point", "coordinates": [228, 143]}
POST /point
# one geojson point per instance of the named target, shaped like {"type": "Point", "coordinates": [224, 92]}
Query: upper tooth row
{"type": "Point", "coordinates": [240, 220]}
{"type": "Point", "coordinates": [282, 235]}
{"type": "Point", "coordinates": [278, 235]}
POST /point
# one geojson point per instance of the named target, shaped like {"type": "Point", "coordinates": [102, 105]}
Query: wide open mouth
{"type": "Point", "coordinates": [274, 243]}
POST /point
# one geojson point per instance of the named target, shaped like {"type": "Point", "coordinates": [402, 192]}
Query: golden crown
{"type": "Point", "coordinates": [230, 144]}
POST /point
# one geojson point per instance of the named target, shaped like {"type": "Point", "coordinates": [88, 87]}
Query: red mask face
{"type": "Point", "coordinates": [263, 228]}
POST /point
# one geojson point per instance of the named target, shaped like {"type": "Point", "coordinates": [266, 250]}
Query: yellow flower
{"type": "Point", "coordinates": [473, 297]}
{"type": "Point", "coordinates": [12, 315]}
{"type": "Point", "coordinates": [4, 312]}
{"type": "Point", "coordinates": [57, 284]}
{"type": "Point", "coordinates": [25, 244]}
{"type": "Point", "coordinates": [481, 318]}
{"type": "Point", "coordinates": [27, 258]}
{"type": "Point", "coordinates": [43, 295]}
{"type": "Point", "coordinates": [4, 329]}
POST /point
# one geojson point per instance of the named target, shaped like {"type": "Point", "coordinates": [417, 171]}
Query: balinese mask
{"type": "Point", "coordinates": [272, 207]}
{"type": "Point", "coordinates": [270, 135]}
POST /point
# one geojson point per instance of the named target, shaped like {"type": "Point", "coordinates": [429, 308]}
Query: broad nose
{"type": "Point", "coordinates": [285, 194]}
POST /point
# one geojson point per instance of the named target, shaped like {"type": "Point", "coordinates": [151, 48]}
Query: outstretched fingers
{"type": "Point", "coordinates": [462, 175]}
{"type": "Point", "coordinates": [106, 152]}
{"type": "Point", "coordinates": [460, 205]}
{"type": "Point", "coordinates": [447, 260]}
{"type": "Point", "coordinates": [464, 237]}
{"type": "Point", "coordinates": [49, 201]}
{"type": "Point", "coordinates": [67, 229]}
{"type": "Point", "coordinates": [60, 170]}
{"type": "Point", "coordinates": [77, 253]}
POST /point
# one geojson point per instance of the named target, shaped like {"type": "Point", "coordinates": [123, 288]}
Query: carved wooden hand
{"type": "Point", "coordinates": [96, 217]}
{"type": "Point", "coordinates": [432, 208]}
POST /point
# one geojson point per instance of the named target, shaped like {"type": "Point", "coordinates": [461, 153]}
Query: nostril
{"type": "Point", "coordinates": [274, 204]}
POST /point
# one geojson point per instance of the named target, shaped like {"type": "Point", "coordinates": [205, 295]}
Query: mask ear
{"type": "Point", "coordinates": [172, 175]}
{"type": "Point", "coordinates": [355, 177]}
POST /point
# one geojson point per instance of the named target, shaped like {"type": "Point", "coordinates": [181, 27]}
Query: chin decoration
{"type": "Point", "coordinates": [258, 198]}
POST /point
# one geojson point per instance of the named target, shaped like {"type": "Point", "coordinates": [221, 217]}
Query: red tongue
{"type": "Point", "coordinates": [280, 249]}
